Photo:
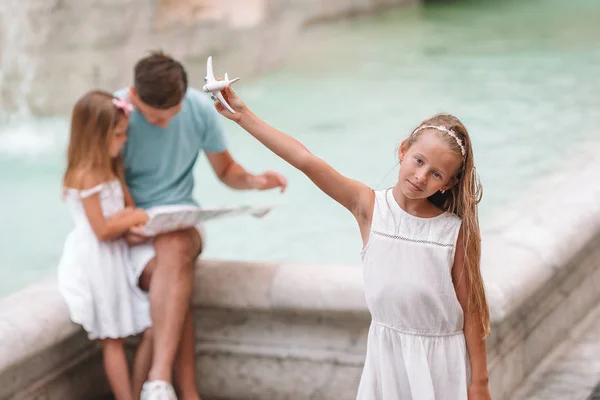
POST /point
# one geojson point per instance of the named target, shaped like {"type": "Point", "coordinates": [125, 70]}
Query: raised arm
{"type": "Point", "coordinates": [355, 196]}
{"type": "Point", "coordinates": [352, 194]}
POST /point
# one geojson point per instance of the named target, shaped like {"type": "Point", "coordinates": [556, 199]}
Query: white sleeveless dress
{"type": "Point", "coordinates": [96, 278]}
{"type": "Point", "coordinates": [416, 348]}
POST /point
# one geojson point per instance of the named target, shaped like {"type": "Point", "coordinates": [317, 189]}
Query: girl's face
{"type": "Point", "coordinates": [118, 137]}
{"type": "Point", "coordinates": [427, 167]}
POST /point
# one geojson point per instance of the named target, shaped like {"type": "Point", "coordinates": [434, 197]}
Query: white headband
{"type": "Point", "coordinates": [445, 130]}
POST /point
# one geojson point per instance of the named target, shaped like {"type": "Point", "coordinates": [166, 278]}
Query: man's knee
{"type": "Point", "coordinates": [180, 248]}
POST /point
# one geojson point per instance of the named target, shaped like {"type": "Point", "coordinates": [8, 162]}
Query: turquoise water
{"type": "Point", "coordinates": [522, 75]}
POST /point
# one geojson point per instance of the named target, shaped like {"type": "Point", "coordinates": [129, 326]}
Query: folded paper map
{"type": "Point", "coordinates": [173, 218]}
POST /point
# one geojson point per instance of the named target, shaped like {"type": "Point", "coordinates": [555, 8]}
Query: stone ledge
{"type": "Point", "coordinates": [541, 267]}
{"type": "Point", "coordinates": [543, 229]}
{"type": "Point", "coordinates": [282, 287]}
{"type": "Point", "coordinates": [42, 353]}
{"type": "Point", "coordinates": [572, 369]}
{"type": "Point", "coordinates": [31, 321]}
{"type": "Point", "coordinates": [521, 341]}
{"type": "Point", "coordinates": [544, 239]}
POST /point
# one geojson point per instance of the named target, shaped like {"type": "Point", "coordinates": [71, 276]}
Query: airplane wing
{"type": "Point", "coordinates": [219, 97]}
{"type": "Point", "coordinates": [210, 76]}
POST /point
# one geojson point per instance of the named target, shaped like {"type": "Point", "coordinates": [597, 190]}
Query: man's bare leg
{"type": "Point", "coordinates": [142, 363]}
{"type": "Point", "coordinates": [185, 364]}
{"type": "Point", "coordinates": [170, 294]}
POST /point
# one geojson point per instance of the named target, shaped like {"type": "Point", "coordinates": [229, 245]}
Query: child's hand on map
{"type": "Point", "coordinates": [140, 216]}
{"type": "Point", "coordinates": [136, 235]}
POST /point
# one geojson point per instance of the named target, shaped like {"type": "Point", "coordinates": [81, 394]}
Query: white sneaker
{"type": "Point", "coordinates": [158, 390]}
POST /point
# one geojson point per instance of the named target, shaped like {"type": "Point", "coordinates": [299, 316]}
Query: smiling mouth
{"type": "Point", "coordinates": [414, 187]}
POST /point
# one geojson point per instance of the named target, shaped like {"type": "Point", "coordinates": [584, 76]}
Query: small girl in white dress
{"type": "Point", "coordinates": [95, 276]}
{"type": "Point", "coordinates": [421, 258]}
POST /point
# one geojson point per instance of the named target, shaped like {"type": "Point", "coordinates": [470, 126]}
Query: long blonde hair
{"type": "Point", "coordinates": [92, 122]}
{"type": "Point", "coordinates": [462, 199]}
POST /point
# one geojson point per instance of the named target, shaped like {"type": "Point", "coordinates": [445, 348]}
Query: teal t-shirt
{"type": "Point", "coordinates": [159, 161]}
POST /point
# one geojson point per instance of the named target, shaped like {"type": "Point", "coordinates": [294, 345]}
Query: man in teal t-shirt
{"type": "Point", "coordinates": [159, 160]}
{"type": "Point", "coordinates": [170, 126]}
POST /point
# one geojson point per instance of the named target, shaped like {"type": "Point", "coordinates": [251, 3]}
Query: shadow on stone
{"type": "Point", "coordinates": [595, 394]}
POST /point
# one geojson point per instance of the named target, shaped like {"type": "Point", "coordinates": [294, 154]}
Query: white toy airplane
{"type": "Point", "coordinates": [214, 86]}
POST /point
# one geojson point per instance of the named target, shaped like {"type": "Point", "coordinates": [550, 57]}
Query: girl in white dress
{"type": "Point", "coordinates": [95, 276]}
{"type": "Point", "coordinates": [421, 258]}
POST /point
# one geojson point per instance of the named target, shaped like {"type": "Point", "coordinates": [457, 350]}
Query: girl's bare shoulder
{"type": "Point", "coordinates": [85, 178]}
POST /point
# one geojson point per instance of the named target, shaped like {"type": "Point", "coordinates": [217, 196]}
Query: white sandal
{"type": "Point", "coordinates": [158, 390]}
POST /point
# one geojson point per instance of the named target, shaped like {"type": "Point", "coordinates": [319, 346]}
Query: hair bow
{"type": "Point", "coordinates": [124, 105]}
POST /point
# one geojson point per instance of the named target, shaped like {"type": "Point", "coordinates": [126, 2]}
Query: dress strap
{"type": "Point", "coordinates": [91, 191]}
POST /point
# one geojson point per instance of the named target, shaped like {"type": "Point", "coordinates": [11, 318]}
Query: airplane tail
{"type": "Point", "coordinates": [234, 80]}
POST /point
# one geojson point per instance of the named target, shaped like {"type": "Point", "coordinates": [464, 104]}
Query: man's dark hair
{"type": "Point", "coordinates": [160, 81]}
